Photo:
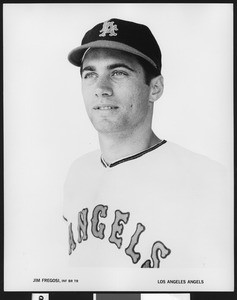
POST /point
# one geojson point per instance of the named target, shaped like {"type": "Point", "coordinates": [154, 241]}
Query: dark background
{"type": "Point", "coordinates": [115, 296]}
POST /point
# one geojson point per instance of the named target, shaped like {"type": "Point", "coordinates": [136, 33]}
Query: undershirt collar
{"type": "Point", "coordinates": [134, 156]}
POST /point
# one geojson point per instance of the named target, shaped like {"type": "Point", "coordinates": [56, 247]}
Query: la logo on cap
{"type": "Point", "coordinates": [108, 28]}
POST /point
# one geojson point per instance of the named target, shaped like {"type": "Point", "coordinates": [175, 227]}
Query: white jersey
{"type": "Point", "coordinates": [165, 207]}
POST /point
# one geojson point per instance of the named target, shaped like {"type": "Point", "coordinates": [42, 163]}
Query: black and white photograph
{"type": "Point", "coordinates": [118, 147]}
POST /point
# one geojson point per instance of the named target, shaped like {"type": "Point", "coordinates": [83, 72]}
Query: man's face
{"type": "Point", "coordinates": [114, 90]}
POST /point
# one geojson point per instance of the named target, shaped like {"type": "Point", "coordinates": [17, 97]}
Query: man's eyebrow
{"type": "Point", "coordinates": [109, 67]}
{"type": "Point", "coordinates": [88, 68]}
{"type": "Point", "coordinates": [120, 65]}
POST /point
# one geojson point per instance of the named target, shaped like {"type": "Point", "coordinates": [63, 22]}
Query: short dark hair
{"type": "Point", "coordinates": [149, 70]}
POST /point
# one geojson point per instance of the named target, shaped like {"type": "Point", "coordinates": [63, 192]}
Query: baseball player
{"type": "Point", "coordinates": [139, 201]}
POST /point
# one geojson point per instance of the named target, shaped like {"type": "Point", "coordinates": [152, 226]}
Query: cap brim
{"type": "Point", "coordinates": [75, 56]}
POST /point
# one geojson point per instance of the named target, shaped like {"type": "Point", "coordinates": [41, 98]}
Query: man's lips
{"type": "Point", "coordinates": [105, 107]}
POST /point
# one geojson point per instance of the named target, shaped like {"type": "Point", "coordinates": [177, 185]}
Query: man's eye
{"type": "Point", "coordinates": [119, 73]}
{"type": "Point", "coordinates": [89, 75]}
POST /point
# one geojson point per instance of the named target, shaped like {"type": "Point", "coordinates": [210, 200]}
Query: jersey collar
{"type": "Point", "coordinates": [134, 156]}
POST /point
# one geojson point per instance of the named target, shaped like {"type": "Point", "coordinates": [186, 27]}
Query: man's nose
{"type": "Point", "coordinates": [103, 88]}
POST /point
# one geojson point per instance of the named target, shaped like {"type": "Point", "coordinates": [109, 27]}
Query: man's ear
{"type": "Point", "coordinates": [156, 88]}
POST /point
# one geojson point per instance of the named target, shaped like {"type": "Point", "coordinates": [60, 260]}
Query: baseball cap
{"type": "Point", "coordinates": [120, 35]}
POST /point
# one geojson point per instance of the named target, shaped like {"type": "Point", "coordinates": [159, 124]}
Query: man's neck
{"type": "Point", "coordinates": [114, 147]}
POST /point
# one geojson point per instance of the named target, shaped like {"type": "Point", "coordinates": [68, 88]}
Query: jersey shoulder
{"type": "Point", "coordinates": [87, 160]}
{"type": "Point", "coordinates": [79, 176]}
{"type": "Point", "coordinates": [83, 166]}
{"type": "Point", "coordinates": [179, 155]}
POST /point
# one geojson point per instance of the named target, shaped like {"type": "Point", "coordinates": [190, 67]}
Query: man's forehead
{"type": "Point", "coordinates": [107, 54]}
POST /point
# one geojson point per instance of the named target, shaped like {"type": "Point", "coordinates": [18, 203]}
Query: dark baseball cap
{"type": "Point", "coordinates": [120, 35]}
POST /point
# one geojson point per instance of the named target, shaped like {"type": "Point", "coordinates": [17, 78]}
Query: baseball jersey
{"type": "Point", "coordinates": [165, 207]}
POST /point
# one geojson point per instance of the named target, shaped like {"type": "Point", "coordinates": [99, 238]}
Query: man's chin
{"type": "Point", "coordinates": [106, 127]}
{"type": "Point", "coordinates": [104, 124]}
{"type": "Point", "coordinates": [106, 130]}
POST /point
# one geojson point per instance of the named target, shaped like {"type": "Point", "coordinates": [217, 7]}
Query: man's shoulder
{"type": "Point", "coordinates": [178, 158]}
{"type": "Point", "coordinates": [181, 154]}
{"type": "Point", "coordinates": [85, 162]}
{"type": "Point", "coordinates": [87, 158]}
{"type": "Point", "coordinates": [196, 172]}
